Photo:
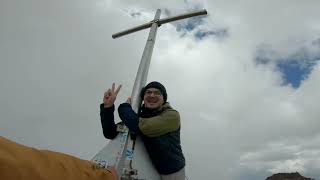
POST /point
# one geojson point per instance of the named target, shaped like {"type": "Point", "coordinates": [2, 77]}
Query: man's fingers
{"type": "Point", "coordinates": [108, 92]}
{"type": "Point", "coordinates": [113, 85]}
{"type": "Point", "coordinates": [118, 89]}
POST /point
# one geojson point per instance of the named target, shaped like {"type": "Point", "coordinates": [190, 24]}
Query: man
{"type": "Point", "coordinates": [21, 162]}
{"type": "Point", "coordinates": [157, 123]}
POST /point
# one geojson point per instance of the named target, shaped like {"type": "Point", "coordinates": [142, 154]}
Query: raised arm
{"type": "Point", "coordinates": [107, 112]}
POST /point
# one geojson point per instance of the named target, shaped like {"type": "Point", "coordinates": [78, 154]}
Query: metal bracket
{"type": "Point", "coordinates": [128, 174]}
{"type": "Point", "coordinates": [157, 21]}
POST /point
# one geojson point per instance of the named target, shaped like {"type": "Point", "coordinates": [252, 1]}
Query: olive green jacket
{"type": "Point", "coordinates": [167, 121]}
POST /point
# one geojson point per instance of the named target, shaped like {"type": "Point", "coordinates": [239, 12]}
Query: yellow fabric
{"type": "Point", "coordinates": [22, 162]}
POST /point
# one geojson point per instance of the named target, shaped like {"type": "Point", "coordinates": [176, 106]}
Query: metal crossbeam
{"type": "Point", "coordinates": [159, 22]}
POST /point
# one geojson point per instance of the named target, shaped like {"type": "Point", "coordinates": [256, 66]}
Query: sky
{"type": "Point", "coordinates": [245, 78]}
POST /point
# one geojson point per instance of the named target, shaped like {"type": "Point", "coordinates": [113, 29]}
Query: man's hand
{"type": "Point", "coordinates": [110, 96]}
{"type": "Point", "coordinates": [129, 100]}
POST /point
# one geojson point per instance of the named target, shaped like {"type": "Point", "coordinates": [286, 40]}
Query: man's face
{"type": "Point", "coordinates": [153, 99]}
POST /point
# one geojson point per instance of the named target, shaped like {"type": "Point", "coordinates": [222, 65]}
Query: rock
{"type": "Point", "coordinates": [288, 176]}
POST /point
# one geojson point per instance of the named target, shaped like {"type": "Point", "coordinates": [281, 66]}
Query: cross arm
{"type": "Point", "coordinates": [132, 30]}
{"type": "Point", "coordinates": [159, 22]}
{"type": "Point", "coordinates": [182, 16]}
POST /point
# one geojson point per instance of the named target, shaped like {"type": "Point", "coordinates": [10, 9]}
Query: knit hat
{"type": "Point", "coordinates": [156, 85]}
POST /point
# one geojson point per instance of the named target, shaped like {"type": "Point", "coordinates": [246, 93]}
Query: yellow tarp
{"type": "Point", "coordinates": [22, 162]}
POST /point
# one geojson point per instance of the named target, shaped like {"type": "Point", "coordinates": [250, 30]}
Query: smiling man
{"type": "Point", "coordinates": [157, 123]}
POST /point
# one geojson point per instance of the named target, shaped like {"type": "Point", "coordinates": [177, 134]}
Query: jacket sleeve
{"type": "Point", "coordinates": [166, 122]}
{"type": "Point", "coordinates": [107, 121]}
{"type": "Point", "coordinates": [129, 117]}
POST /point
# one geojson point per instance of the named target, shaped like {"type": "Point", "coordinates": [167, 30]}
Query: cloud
{"type": "Point", "coordinates": [239, 120]}
{"type": "Point", "coordinates": [295, 66]}
{"type": "Point", "coordinates": [284, 156]}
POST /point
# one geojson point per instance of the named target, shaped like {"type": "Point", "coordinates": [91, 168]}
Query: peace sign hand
{"type": "Point", "coordinates": [110, 96]}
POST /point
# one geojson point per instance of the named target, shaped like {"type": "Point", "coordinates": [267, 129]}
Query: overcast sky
{"type": "Point", "coordinates": [245, 79]}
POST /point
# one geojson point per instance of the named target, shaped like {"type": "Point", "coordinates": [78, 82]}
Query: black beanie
{"type": "Point", "coordinates": [156, 85]}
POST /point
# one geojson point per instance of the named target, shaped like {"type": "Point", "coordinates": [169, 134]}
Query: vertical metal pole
{"type": "Point", "coordinates": [143, 70]}
{"type": "Point", "coordinates": [139, 83]}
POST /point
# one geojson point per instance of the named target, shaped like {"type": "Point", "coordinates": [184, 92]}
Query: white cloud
{"type": "Point", "coordinates": [57, 58]}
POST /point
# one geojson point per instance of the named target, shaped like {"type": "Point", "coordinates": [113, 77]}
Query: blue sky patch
{"type": "Point", "coordinates": [293, 72]}
{"type": "Point", "coordinates": [295, 68]}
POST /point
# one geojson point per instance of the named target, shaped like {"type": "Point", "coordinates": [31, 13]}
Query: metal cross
{"type": "Point", "coordinates": [142, 74]}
